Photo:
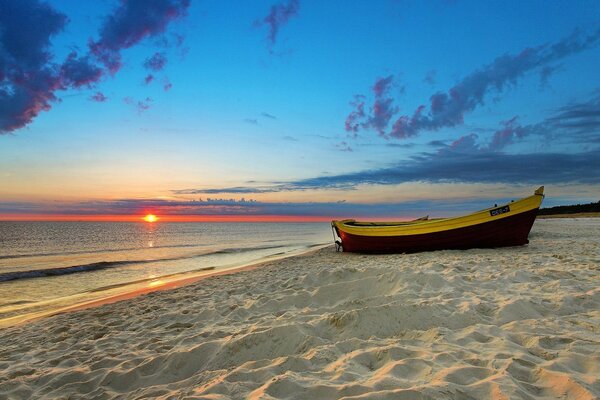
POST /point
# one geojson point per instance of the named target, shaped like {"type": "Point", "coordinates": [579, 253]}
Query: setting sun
{"type": "Point", "coordinates": [150, 218]}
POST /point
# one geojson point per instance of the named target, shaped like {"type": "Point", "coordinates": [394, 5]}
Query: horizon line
{"type": "Point", "coordinates": [179, 218]}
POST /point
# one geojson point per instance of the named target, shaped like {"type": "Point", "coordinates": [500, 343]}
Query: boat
{"type": "Point", "coordinates": [499, 226]}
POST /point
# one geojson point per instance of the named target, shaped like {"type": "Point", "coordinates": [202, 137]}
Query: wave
{"type": "Point", "coordinates": [65, 253]}
{"type": "Point", "coordinates": [96, 266]}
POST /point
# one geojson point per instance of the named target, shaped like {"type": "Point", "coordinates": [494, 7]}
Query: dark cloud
{"type": "Point", "coordinates": [29, 76]}
{"type": "Point", "coordinates": [580, 117]}
{"type": "Point", "coordinates": [482, 167]}
{"type": "Point", "coordinates": [80, 71]}
{"type": "Point", "coordinates": [131, 22]}
{"type": "Point", "coordinates": [461, 162]}
{"type": "Point", "coordinates": [251, 121]}
{"type": "Point", "coordinates": [28, 79]}
{"type": "Point", "coordinates": [278, 16]}
{"type": "Point", "coordinates": [438, 143]}
{"type": "Point", "coordinates": [99, 97]}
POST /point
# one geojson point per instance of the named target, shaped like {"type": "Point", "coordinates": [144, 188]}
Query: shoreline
{"type": "Point", "coordinates": [515, 322]}
{"type": "Point", "coordinates": [156, 285]}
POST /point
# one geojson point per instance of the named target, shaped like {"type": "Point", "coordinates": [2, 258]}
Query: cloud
{"type": "Point", "coordinates": [167, 85]}
{"type": "Point", "coordinates": [447, 109]}
{"type": "Point", "coordinates": [430, 77]}
{"type": "Point", "coordinates": [461, 162]}
{"type": "Point", "coordinates": [469, 160]}
{"type": "Point", "coordinates": [255, 121]}
{"type": "Point", "coordinates": [156, 63]}
{"type": "Point", "coordinates": [575, 122]}
{"type": "Point", "coordinates": [278, 16]}
{"type": "Point", "coordinates": [243, 207]}
{"type": "Point", "coordinates": [267, 115]}
{"type": "Point", "coordinates": [29, 75]}
{"type": "Point", "coordinates": [380, 112]}
{"type": "Point", "coordinates": [343, 146]}
{"type": "Point", "coordinates": [131, 22]}
{"type": "Point", "coordinates": [28, 80]}
{"type": "Point", "coordinates": [383, 109]}
{"type": "Point", "coordinates": [140, 105]}
{"type": "Point", "coordinates": [79, 71]}
{"type": "Point", "coordinates": [148, 79]}
{"type": "Point", "coordinates": [99, 97]}
{"type": "Point", "coordinates": [546, 72]}
{"type": "Point", "coordinates": [352, 123]}
{"type": "Point", "coordinates": [231, 190]}
{"type": "Point", "coordinates": [483, 167]}
{"type": "Point", "coordinates": [579, 117]}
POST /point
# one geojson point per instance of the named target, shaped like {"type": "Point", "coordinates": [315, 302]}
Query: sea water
{"type": "Point", "coordinates": [49, 265]}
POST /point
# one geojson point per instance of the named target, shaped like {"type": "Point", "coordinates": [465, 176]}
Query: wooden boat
{"type": "Point", "coordinates": [498, 226]}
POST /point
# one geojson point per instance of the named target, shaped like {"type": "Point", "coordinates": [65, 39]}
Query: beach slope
{"type": "Point", "coordinates": [511, 323]}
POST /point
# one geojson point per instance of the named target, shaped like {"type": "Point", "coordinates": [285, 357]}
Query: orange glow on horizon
{"type": "Point", "coordinates": [168, 218]}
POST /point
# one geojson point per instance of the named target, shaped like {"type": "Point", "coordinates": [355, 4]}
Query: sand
{"type": "Point", "coordinates": [514, 323]}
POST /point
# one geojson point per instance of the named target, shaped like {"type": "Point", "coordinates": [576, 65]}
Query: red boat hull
{"type": "Point", "coordinates": [509, 231]}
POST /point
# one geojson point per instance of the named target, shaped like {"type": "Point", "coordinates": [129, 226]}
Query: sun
{"type": "Point", "coordinates": [150, 218]}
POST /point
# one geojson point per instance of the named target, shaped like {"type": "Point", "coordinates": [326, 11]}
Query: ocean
{"type": "Point", "coordinates": [46, 266]}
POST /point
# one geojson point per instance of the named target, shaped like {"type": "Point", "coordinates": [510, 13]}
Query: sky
{"type": "Point", "coordinates": [295, 109]}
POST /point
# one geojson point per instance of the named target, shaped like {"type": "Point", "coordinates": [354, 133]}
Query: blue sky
{"type": "Point", "coordinates": [387, 106]}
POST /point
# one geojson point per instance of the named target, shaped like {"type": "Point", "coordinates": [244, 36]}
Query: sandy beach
{"type": "Point", "coordinates": [514, 323]}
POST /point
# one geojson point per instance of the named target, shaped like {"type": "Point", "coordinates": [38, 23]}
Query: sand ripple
{"type": "Point", "coordinates": [517, 323]}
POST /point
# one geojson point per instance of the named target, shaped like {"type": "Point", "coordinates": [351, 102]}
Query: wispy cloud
{"type": "Point", "coordinates": [343, 146]}
{"type": "Point", "coordinates": [140, 105]}
{"type": "Point", "coordinates": [448, 109]}
{"type": "Point", "coordinates": [98, 97]}
{"type": "Point", "coordinates": [267, 115]}
{"type": "Point", "coordinates": [430, 77]}
{"type": "Point", "coordinates": [380, 113]}
{"type": "Point", "coordinates": [278, 16]}
{"type": "Point", "coordinates": [156, 63]}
